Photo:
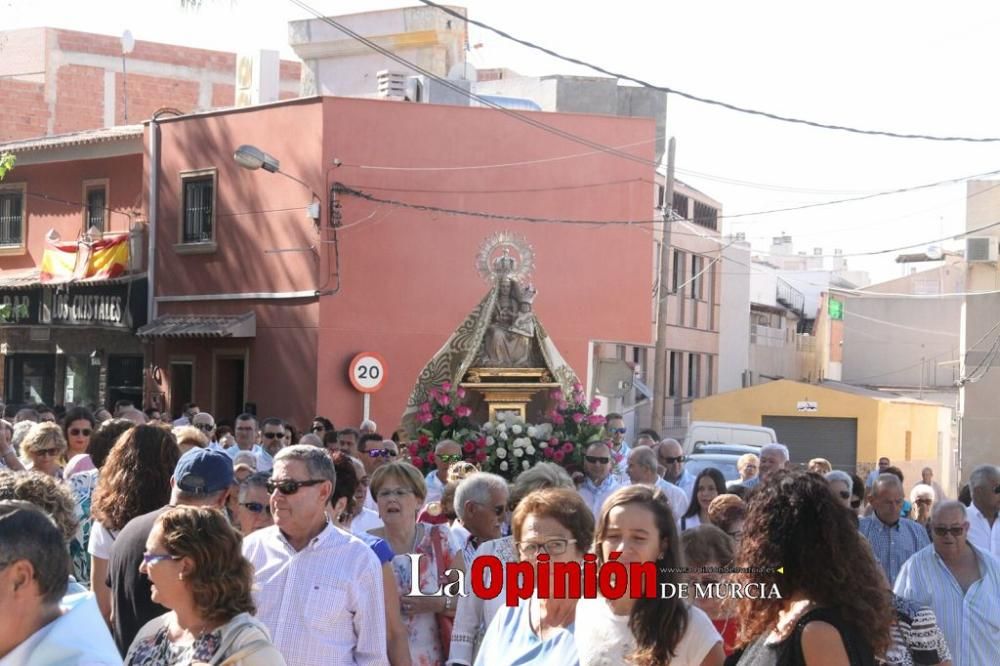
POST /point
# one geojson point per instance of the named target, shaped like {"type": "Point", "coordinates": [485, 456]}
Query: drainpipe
{"type": "Point", "coordinates": [154, 184]}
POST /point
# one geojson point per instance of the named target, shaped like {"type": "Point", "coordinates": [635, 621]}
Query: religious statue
{"type": "Point", "coordinates": [509, 336]}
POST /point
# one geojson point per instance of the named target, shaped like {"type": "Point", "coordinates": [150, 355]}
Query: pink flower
{"type": "Point", "coordinates": [430, 459]}
{"type": "Point", "coordinates": [578, 396]}
{"type": "Point", "coordinates": [577, 386]}
{"type": "Point", "coordinates": [558, 419]}
{"type": "Point", "coordinates": [559, 455]}
{"type": "Point", "coordinates": [425, 418]}
{"type": "Point", "coordinates": [481, 443]}
{"type": "Point", "coordinates": [433, 393]}
{"type": "Point", "coordinates": [423, 440]}
{"type": "Point", "coordinates": [567, 447]}
{"type": "Point", "coordinates": [469, 447]}
{"type": "Point", "coordinates": [595, 404]}
{"type": "Point", "coordinates": [460, 393]}
{"type": "Point", "coordinates": [446, 386]}
{"type": "Point", "coordinates": [444, 400]}
{"type": "Point", "coordinates": [446, 420]}
{"type": "Point", "coordinates": [578, 418]}
{"type": "Point", "coordinates": [548, 453]}
{"type": "Point", "coordinates": [417, 461]}
{"type": "Point", "coordinates": [557, 394]}
{"type": "Point", "coordinates": [425, 407]}
{"type": "Point", "coordinates": [414, 449]}
{"type": "Point", "coordinates": [595, 419]}
{"type": "Point", "coordinates": [480, 456]}
{"type": "Point", "coordinates": [462, 411]}
{"type": "Point", "coordinates": [554, 441]}
{"type": "Point", "coordinates": [563, 406]}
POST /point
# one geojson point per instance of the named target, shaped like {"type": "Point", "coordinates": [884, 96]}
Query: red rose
{"type": "Point", "coordinates": [469, 447]}
{"type": "Point", "coordinates": [480, 456]}
{"type": "Point", "coordinates": [446, 420]}
{"type": "Point", "coordinates": [559, 455]}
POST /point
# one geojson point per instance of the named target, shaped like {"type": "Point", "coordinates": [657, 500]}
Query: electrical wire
{"type": "Point", "coordinates": [706, 100]}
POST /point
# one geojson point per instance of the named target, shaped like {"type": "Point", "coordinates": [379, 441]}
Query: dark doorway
{"type": "Point", "coordinates": [229, 387]}
{"type": "Point", "coordinates": [30, 379]}
{"type": "Point", "coordinates": [181, 386]}
{"type": "Point", "coordinates": [124, 379]}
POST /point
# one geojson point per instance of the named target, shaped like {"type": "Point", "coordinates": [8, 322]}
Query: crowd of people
{"type": "Point", "coordinates": [128, 538]}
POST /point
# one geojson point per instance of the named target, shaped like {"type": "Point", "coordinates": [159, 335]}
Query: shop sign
{"type": "Point", "coordinates": [119, 305]}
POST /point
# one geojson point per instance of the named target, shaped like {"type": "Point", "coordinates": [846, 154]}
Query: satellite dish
{"type": "Point", "coordinates": [934, 252]}
{"type": "Point", "coordinates": [128, 42]}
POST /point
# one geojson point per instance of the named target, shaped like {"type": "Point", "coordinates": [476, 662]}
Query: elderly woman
{"type": "Point", "coordinates": [836, 618]}
{"type": "Point", "coordinates": [820, 466]}
{"type": "Point", "coordinates": [197, 570]}
{"type": "Point", "coordinates": [474, 614]}
{"type": "Point", "coordinates": [253, 509]}
{"type": "Point", "coordinates": [747, 465]}
{"type": "Point", "coordinates": [637, 524]}
{"type": "Point", "coordinates": [727, 512]}
{"type": "Point", "coordinates": [400, 490]}
{"type": "Point", "coordinates": [43, 447]}
{"type": "Point", "coordinates": [558, 523]}
{"type": "Point", "coordinates": [922, 497]}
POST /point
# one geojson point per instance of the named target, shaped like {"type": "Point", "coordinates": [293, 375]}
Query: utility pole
{"type": "Point", "coordinates": [662, 291]}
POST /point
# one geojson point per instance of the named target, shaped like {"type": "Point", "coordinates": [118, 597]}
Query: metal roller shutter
{"type": "Point", "coordinates": [835, 439]}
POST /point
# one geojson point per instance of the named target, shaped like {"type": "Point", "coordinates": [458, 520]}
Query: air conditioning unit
{"type": "Point", "coordinates": [391, 85]}
{"type": "Point", "coordinates": [982, 249]}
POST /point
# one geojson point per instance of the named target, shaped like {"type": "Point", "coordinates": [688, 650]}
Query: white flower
{"type": "Point", "coordinates": [503, 467]}
{"type": "Point", "coordinates": [525, 464]}
{"type": "Point", "coordinates": [544, 431]}
{"type": "Point", "coordinates": [519, 453]}
{"type": "Point", "coordinates": [516, 429]}
{"type": "Point", "coordinates": [501, 427]}
{"type": "Point", "coordinates": [490, 441]}
{"type": "Point", "coordinates": [530, 450]}
{"type": "Point", "coordinates": [532, 431]}
{"type": "Point", "coordinates": [501, 453]}
{"type": "Point", "coordinates": [488, 427]}
{"type": "Point", "coordinates": [503, 436]}
{"type": "Point", "coordinates": [543, 444]}
{"type": "Point", "coordinates": [521, 442]}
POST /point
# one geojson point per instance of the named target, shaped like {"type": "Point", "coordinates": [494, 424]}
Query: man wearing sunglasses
{"type": "Point", "coordinates": [272, 436]}
{"type": "Point", "coordinates": [319, 589]}
{"type": "Point", "coordinates": [893, 539]}
{"type": "Point", "coordinates": [373, 454]}
{"type": "Point", "coordinates": [960, 583]}
{"type": "Point", "coordinates": [446, 454]}
{"type": "Point", "coordinates": [616, 429]}
{"type": "Point", "coordinates": [598, 483]}
{"type": "Point", "coordinates": [245, 433]}
{"type": "Point", "coordinates": [202, 477]}
{"type": "Point", "coordinates": [984, 527]}
{"type": "Point", "coordinates": [671, 455]}
{"type": "Point", "coordinates": [481, 505]}
{"type": "Point", "coordinates": [205, 422]}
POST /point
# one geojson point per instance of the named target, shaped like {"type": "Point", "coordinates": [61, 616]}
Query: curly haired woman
{"type": "Point", "coordinates": [833, 608]}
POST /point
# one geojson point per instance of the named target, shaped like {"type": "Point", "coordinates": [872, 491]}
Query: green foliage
{"type": "Point", "coordinates": [6, 164]}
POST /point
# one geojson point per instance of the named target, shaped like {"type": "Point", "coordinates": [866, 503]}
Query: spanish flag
{"type": "Point", "coordinates": [79, 260]}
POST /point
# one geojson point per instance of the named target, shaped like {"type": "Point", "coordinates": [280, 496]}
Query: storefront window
{"type": "Point", "coordinates": [82, 378]}
{"type": "Point", "coordinates": [30, 378]}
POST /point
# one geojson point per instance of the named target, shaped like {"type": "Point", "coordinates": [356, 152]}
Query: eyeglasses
{"type": "Point", "coordinates": [273, 435]}
{"type": "Point", "coordinates": [844, 494]}
{"type": "Point", "coordinates": [152, 558]}
{"type": "Point", "coordinates": [394, 492]}
{"type": "Point", "coordinates": [552, 547]}
{"type": "Point", "coordinates": [855, 503]}
{"type": "Point", "coordinates": [78, 432]}
{"type": "Point", "coordinates": [290, 487]}
{"type": "Point", "coordinates": [617, 431]}
{"type": "Point", "coordinates": [256, 507]}
{"type": "Point", "coordinates": [447, 458]}
{"type": "Point", "coordinates": [672, 460]}
{"type": "Point", "coordinates": [207, 427]}
{"type": "Point", "coordinates": [597, 460]}
{"type": "Point", "coordinates": [382, 453]}
{"type": "Point", "coordinates": [954, 531]}
{"type": "Point", "coordinates": [52, 453]}
{"type": "Point", "coordinates": [499, 509]}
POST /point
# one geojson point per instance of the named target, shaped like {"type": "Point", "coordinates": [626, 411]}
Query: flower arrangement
{"type": "Point", "coordinates": [513, 446]}
{"type": "Point", "coordinates": [575, 425]}
{"type": "Point", "coordinates": [443, 416]}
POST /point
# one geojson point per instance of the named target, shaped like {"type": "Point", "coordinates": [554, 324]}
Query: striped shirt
{"type": "Point", "coordinates": [893, 544]}
{"type": "Point", "coordinates": [981, 534]}
{"type": "Point", "coordinates": [324, 605]}
{"type": "Point", "coordinates": [916, 637]}
{"type": "Point", "coordinates": [969, 620]}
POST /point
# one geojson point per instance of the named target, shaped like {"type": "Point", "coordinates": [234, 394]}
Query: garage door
{"type": "Point", "coordinates": [817, 437]}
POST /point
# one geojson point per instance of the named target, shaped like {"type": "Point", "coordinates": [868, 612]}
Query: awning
{"type": "Point", "coordinates": [201, 326]}
{"type": "Point", "coordinates": [30, 278]}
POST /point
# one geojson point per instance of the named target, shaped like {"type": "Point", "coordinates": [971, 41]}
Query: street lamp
{"type": "Point", "coordinates": [253, 158]}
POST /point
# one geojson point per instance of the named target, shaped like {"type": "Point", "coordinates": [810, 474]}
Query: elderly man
{"type": "Point", "coordinates": [642, 470]}
{"type": "Point", "coordinates": [598, 482]}
{"type": "Point", "coordinates": [205, 422]}
{"type": "Point", "coordinates": [772, 458]}
{"type": "Point", "coordinates": [893, 539]}
{"type": "Point", "coordinates": [927, 477]}
{"type": "Point", "coordinates": [984, 528]}
{"type": "Point", "coordinates": [961, 583]}
{"type": "Point", "coordinates": [319, 589]}
{"type": "Point", "coordinates": [481, 506]}
{"type": "Point", "coordinates": [347, 441]}
{"type": "Point", "coordinates": [33, 581]}
{"type": "Point", "coordinates": [446, 453]}
{"type": "Point", "coordinates": [245, 433]}
{"type": "Point", "coordinates": [671, 456]}
{"type": "Point", "coordinates": [368, 427]}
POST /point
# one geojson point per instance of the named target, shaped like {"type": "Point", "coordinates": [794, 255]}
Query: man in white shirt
{"type": "Point", "coordinates": [319, 589]}
{"type": "Point", "coordinates": [446, 453]}
{"type": "Point", "coordinates": [642, 469]}
{"type": "Point", "coordinates": [984, 527]}
{"type": "Point", "coordinates": [205, 422]}
{"type": "Point", "coordinates": [245, 433]}
{"type": "Point", "coordinates": [598, 483]}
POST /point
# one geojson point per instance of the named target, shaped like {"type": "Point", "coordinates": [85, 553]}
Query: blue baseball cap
{"type": "Point", "coordinates": [203, 471]}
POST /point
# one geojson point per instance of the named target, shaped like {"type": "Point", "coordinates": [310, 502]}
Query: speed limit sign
{"type": "Point", "coordinates": [367, 372]}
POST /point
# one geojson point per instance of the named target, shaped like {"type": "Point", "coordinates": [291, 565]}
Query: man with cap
{"type": "Point", "coordinates": [202, 477]}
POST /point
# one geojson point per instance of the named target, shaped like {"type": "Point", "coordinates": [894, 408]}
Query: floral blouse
{"type": "Point", "coordinates": [82, 485]}
{"type": "Point", "coordinates": [158, 650]}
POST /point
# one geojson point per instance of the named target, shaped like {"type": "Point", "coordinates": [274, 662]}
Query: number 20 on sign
{"type": "Point", "coordinates": [367, 372]}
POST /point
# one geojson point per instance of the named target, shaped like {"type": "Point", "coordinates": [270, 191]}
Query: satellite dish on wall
{"type": "Point", "coordinates": [128, 42]}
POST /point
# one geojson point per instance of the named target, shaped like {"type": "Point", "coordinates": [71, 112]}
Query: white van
{"type": "Point", "coordinates": [702, 433]}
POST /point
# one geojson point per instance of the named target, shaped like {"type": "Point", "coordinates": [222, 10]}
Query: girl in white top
{"type": "Point", "coordinates": [636, 522]}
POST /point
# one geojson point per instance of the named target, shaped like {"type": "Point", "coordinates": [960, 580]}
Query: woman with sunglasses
{"type": "Point", "coordinates": [78, 425]}
{"type": "Point", "coordinates": [636, 522]}
{"type": "Point", "coordinates": [196, 569]}
{"type": "Point", "coordinates": [43, 447]}
{"type": "Point", "coordinates": [399, 490]}
{"type": "Point", "coordinates": [708, 485]}
{"type": "Point", "coordinates": [842, 487]}
{"type": "Point", "coordinates": [922, 497]}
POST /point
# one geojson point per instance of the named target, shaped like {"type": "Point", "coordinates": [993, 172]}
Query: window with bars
{"type": "Point", "coordinates": [697, 281]}
{"type": "Point", "coordinates": [97, 204]}
{"type": "Point", "coordinates": [11, 217]}
{"type": "Point", "coordinates": [694, 375]}
{"type": "Point", "coordinates": [198, 209]}
{"type": "Point", "coordinates": [706, 216]}
{"type": "Point", "coordinates": [674, 384]}
{"type": "Point", "coordinates": [678, 270]}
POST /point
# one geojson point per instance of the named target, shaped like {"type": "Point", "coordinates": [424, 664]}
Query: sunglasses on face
{"type": "Point", "coordinates": [52, 453]}
{"type": "Point", "coordinates": [382, 453]}
{"type": "Point", "coordinates": [954, 531]}
{"type": "Point", "coordinates": [597, 460]}
{"type": "Point", "coordinates": [672, 460]}
{"type": "Point", "coordinates": [207, 427]}
{"type": "Point", "coordinates": [855, 503]}
{"type": "Point", "coordinates": [273, 435]}
{"type": "Point", "coordinates": [290, 487]}
{"type": "Point", "coordinates": [78, 432]}
{"type": "Point", "coordinates": [617, 431]}
{"type": "Point", "coordinates": [256, 507]}
{"type": "Point", "coordinates": [152, 558]}
{"type": "Point", "coordinates": [446, 458]}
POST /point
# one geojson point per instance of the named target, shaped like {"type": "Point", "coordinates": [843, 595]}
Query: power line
{"type": "Point", "coordinates": [706, 100]}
